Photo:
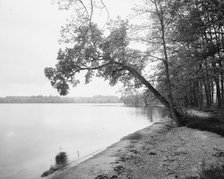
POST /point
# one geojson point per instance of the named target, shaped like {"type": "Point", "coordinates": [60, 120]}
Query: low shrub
{"type": "Point", "coordinates": [210, 124]}
{"type": "Point", "coordinates": [61, 158]}
{"type": "Point", "coordinates": [210, 172]}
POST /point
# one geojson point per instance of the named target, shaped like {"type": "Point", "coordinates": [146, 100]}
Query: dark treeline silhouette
{"type": "Point", "coordinates": [57, 99]}
{"type": "Point", "coordinates": [193, 31]}
{"type": "Point", "coordinates": [137, 100]}
{"type": "Point", "coordinates": [196, 55]}
{"type": "Point", "coordinates": [144, 99]}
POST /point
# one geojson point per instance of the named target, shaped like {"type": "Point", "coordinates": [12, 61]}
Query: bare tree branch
{"type": "Point", "coordinates": [92, 68]}
{"type": "Point", "coordinates": [81, 2]}
{"type": "Point", "coordinates": [108, 14]}
{"type": "Point", "coordinates": [91, 12]}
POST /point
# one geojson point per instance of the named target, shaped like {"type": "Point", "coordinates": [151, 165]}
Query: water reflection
{"type": "Point", "coordinates": [32, 134]}
{"type": "Point", "coordinates": [156, 113]}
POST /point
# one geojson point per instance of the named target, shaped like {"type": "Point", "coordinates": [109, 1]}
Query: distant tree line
{"type": "Point", "coordinates": [140, 99]}
{"type": "Point", "coordinates": [57, 99]}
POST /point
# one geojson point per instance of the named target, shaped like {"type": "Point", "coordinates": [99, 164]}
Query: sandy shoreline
{"type": "Point", "coordinates": [157, 151]}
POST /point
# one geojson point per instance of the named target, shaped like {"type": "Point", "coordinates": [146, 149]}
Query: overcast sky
{"type": "Point", "coordinates": [29, 33]}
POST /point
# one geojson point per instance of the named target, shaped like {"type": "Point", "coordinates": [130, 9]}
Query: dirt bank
{"type": "Point", "coordinates": [158, 151]}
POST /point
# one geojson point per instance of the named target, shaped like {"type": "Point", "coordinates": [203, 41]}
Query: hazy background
{"type": "Point", "coordinates": [29, 34]}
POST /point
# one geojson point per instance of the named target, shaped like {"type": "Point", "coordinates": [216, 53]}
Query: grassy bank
{"type": "Point", "coordinates": [207, 121]}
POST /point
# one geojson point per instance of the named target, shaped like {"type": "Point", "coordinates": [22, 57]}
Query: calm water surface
{"type": "Point", "coordinates": [32, 134]}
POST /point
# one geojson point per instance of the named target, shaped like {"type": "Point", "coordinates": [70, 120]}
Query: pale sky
{"type": "Point", "coordinates": [29, 34]}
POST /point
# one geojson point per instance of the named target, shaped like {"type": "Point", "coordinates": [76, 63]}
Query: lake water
{"type": "Point", "coordinates": [32, 134]}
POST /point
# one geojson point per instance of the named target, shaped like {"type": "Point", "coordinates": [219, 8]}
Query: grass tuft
{"type": "Point", "coordinates": [134, 136]}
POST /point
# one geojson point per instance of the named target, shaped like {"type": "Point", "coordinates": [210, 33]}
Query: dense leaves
{"type": "Point", "coordinates": [199, 34]}
{"type": "Point", "coordinates": [193, 32]}
{"type": "Point", "coordinates": [108, 57]}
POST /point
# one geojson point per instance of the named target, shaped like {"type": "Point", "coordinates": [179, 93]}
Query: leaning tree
{"type": "Point", "coordinates": [103, 56]}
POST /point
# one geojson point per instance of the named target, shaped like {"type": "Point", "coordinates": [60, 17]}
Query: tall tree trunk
{"type": "Point", "coordinates": [212, 92]}
{"type": "Point", "coordinates": [221, 79]}
{"type": "Point", "coordinates": [196, 93]}
{"type": "Point", "coordinates": [207, 84]}
{"type": "Point", "coordinates": [207, 94]}
{"type": "Point", "coordinates": [218, 41]}
{"type": "Point", "coordinates": [216, 78]}
{"type": "Point", "coordinates": [200, 95]}
{"type": "Point", "coordinates": [160, 15]}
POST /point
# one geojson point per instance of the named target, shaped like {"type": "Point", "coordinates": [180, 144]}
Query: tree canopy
{"type": "Point", "coordinates": [185, 37]}
{"type": "Point", "coordinates": [107, 57]}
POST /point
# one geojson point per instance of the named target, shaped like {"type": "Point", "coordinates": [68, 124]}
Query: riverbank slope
{"type": "Point", "coordinates": [158, 151]}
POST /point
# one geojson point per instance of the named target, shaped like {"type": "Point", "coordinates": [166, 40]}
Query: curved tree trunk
{"type": "Point", "coordinates": [178, 116]}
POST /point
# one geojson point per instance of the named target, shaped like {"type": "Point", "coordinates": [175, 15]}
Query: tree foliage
{"type": "Point", "coordinates": [193, 32]}
{"type": "Point", "coordinates": [186, 38]}
{"type": "Point", "coordinates": [198, 58]}
{"type": "Point", "coordinates": [108, 57]}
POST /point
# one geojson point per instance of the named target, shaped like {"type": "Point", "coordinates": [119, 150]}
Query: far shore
{"type": "Point", "coordinates": [157, 151]}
